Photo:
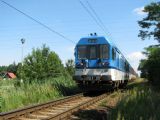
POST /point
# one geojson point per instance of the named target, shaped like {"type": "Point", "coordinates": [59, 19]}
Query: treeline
{"type": "Point", "coordinates": [40, 64]}
{"type": "Point", "coordinates": [10, 68]}
{"type": "Point", "coordinates": [150, 67]}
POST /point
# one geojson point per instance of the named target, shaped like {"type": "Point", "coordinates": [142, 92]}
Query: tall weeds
{"type": "Point", "coordinates": [140, 103]}
{"type": "Point", "coordinates": [24, 94]}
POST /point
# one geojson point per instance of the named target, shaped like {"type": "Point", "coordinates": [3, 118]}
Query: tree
{"type": "Point", "coordinates": [151, 23]}
{"type": "Point", "coordinates": [12, 68]}
{"type": "Point", "coordinates": [41, 64]}
{"type": "Point", "coordinates": [3, 68]}
{"type": "Point", "coordinates": [70, 66]}
{"type": "Point", "coordinates": [150, 67]}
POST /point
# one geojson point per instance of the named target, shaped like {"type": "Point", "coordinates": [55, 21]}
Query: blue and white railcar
{"type": "Point", "coordinates": [98, 62]}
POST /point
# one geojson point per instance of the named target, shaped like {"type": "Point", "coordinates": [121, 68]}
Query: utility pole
{"type": "Point", "coordinates": [22, 41]}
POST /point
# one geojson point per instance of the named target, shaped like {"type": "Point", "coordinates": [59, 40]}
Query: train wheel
{"type": "Point", "coordinates": [124, 84]}
{"type": "Point", "coordinates": [115, 85]}
{"type": "Point", "coordinates": [121, 84]}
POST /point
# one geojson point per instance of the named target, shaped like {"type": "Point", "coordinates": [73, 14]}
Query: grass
{"type": "Point", "coordinates": [13, 96]}
{"type": "Point", "coordinates": [140, 102]}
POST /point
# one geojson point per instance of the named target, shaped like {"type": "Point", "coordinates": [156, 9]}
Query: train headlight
{"type": "Point", "coordinates": [106, 64]}
{"type": "Point", "coordinates": [81, 64]}
{"type": "Point", "coordinates": [78, 64]}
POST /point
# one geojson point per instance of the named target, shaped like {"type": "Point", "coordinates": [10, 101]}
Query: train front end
{"type": "Point", "coordinates": [92, 62]}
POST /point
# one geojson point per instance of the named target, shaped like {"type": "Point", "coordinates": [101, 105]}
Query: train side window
{"type": "Point", "coordinates": [113, 54]}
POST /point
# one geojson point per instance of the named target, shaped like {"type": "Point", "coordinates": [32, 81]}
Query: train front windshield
{"type": "Point", "coordinates": [93, 51]}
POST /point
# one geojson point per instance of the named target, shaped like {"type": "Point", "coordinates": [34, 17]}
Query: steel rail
{"type": "Point", "coordinates": [30, 109]}
{"type": "Point", "coordinates": [58, 109]}
{"type": "Point", "coordinates": [68, 113]}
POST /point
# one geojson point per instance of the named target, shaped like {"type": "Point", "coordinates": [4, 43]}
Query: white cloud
{"type": "Point", "coordinates": [135, 56]}
{"type": "Point", "coordinates": [139, 11]}
{"type": "Point", "coordinates": [134, 59]}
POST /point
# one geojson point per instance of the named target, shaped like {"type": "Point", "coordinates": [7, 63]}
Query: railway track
{"type": "Point", "coordinates": [54, 110]}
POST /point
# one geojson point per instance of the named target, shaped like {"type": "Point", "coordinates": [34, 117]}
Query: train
{"type": "Point", "coordinates": [99, 64]}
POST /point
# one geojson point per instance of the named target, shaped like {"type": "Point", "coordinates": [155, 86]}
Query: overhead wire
{"type": "Point", "coordinates": [93, 17]}
{"type": "Point", "coordinates": [106, 31]}
{"type": "Point", "coordinates": [37, 21]}
{"type": "Point", "coordinates": [98, 20]}
{"type": "Point", "coordinates": [105, 28]}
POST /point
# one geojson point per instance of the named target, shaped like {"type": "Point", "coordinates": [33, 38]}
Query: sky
{"type": "Point", "coordinates": [69, 18]}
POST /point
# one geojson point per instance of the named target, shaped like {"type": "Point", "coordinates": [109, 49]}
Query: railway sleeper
{"type": "Point", "coordinates": [37, 116]}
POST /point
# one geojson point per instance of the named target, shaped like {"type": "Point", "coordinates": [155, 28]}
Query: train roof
{"type": "Point", "coordinates": [100, 40]}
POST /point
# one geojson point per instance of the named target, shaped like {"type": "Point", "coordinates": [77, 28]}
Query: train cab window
{"type": "Point", "coordinates": [113, 54]}
{"type": "Point", "coordinates": [92, 52]}
{"type": "Point", "coordinates": [104, 51]}
{"type": "Point", "coordinates": [82, 52]}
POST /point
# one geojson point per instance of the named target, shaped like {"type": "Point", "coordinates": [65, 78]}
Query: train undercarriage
{"type": "Point", "coordinates": [103, 83]}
